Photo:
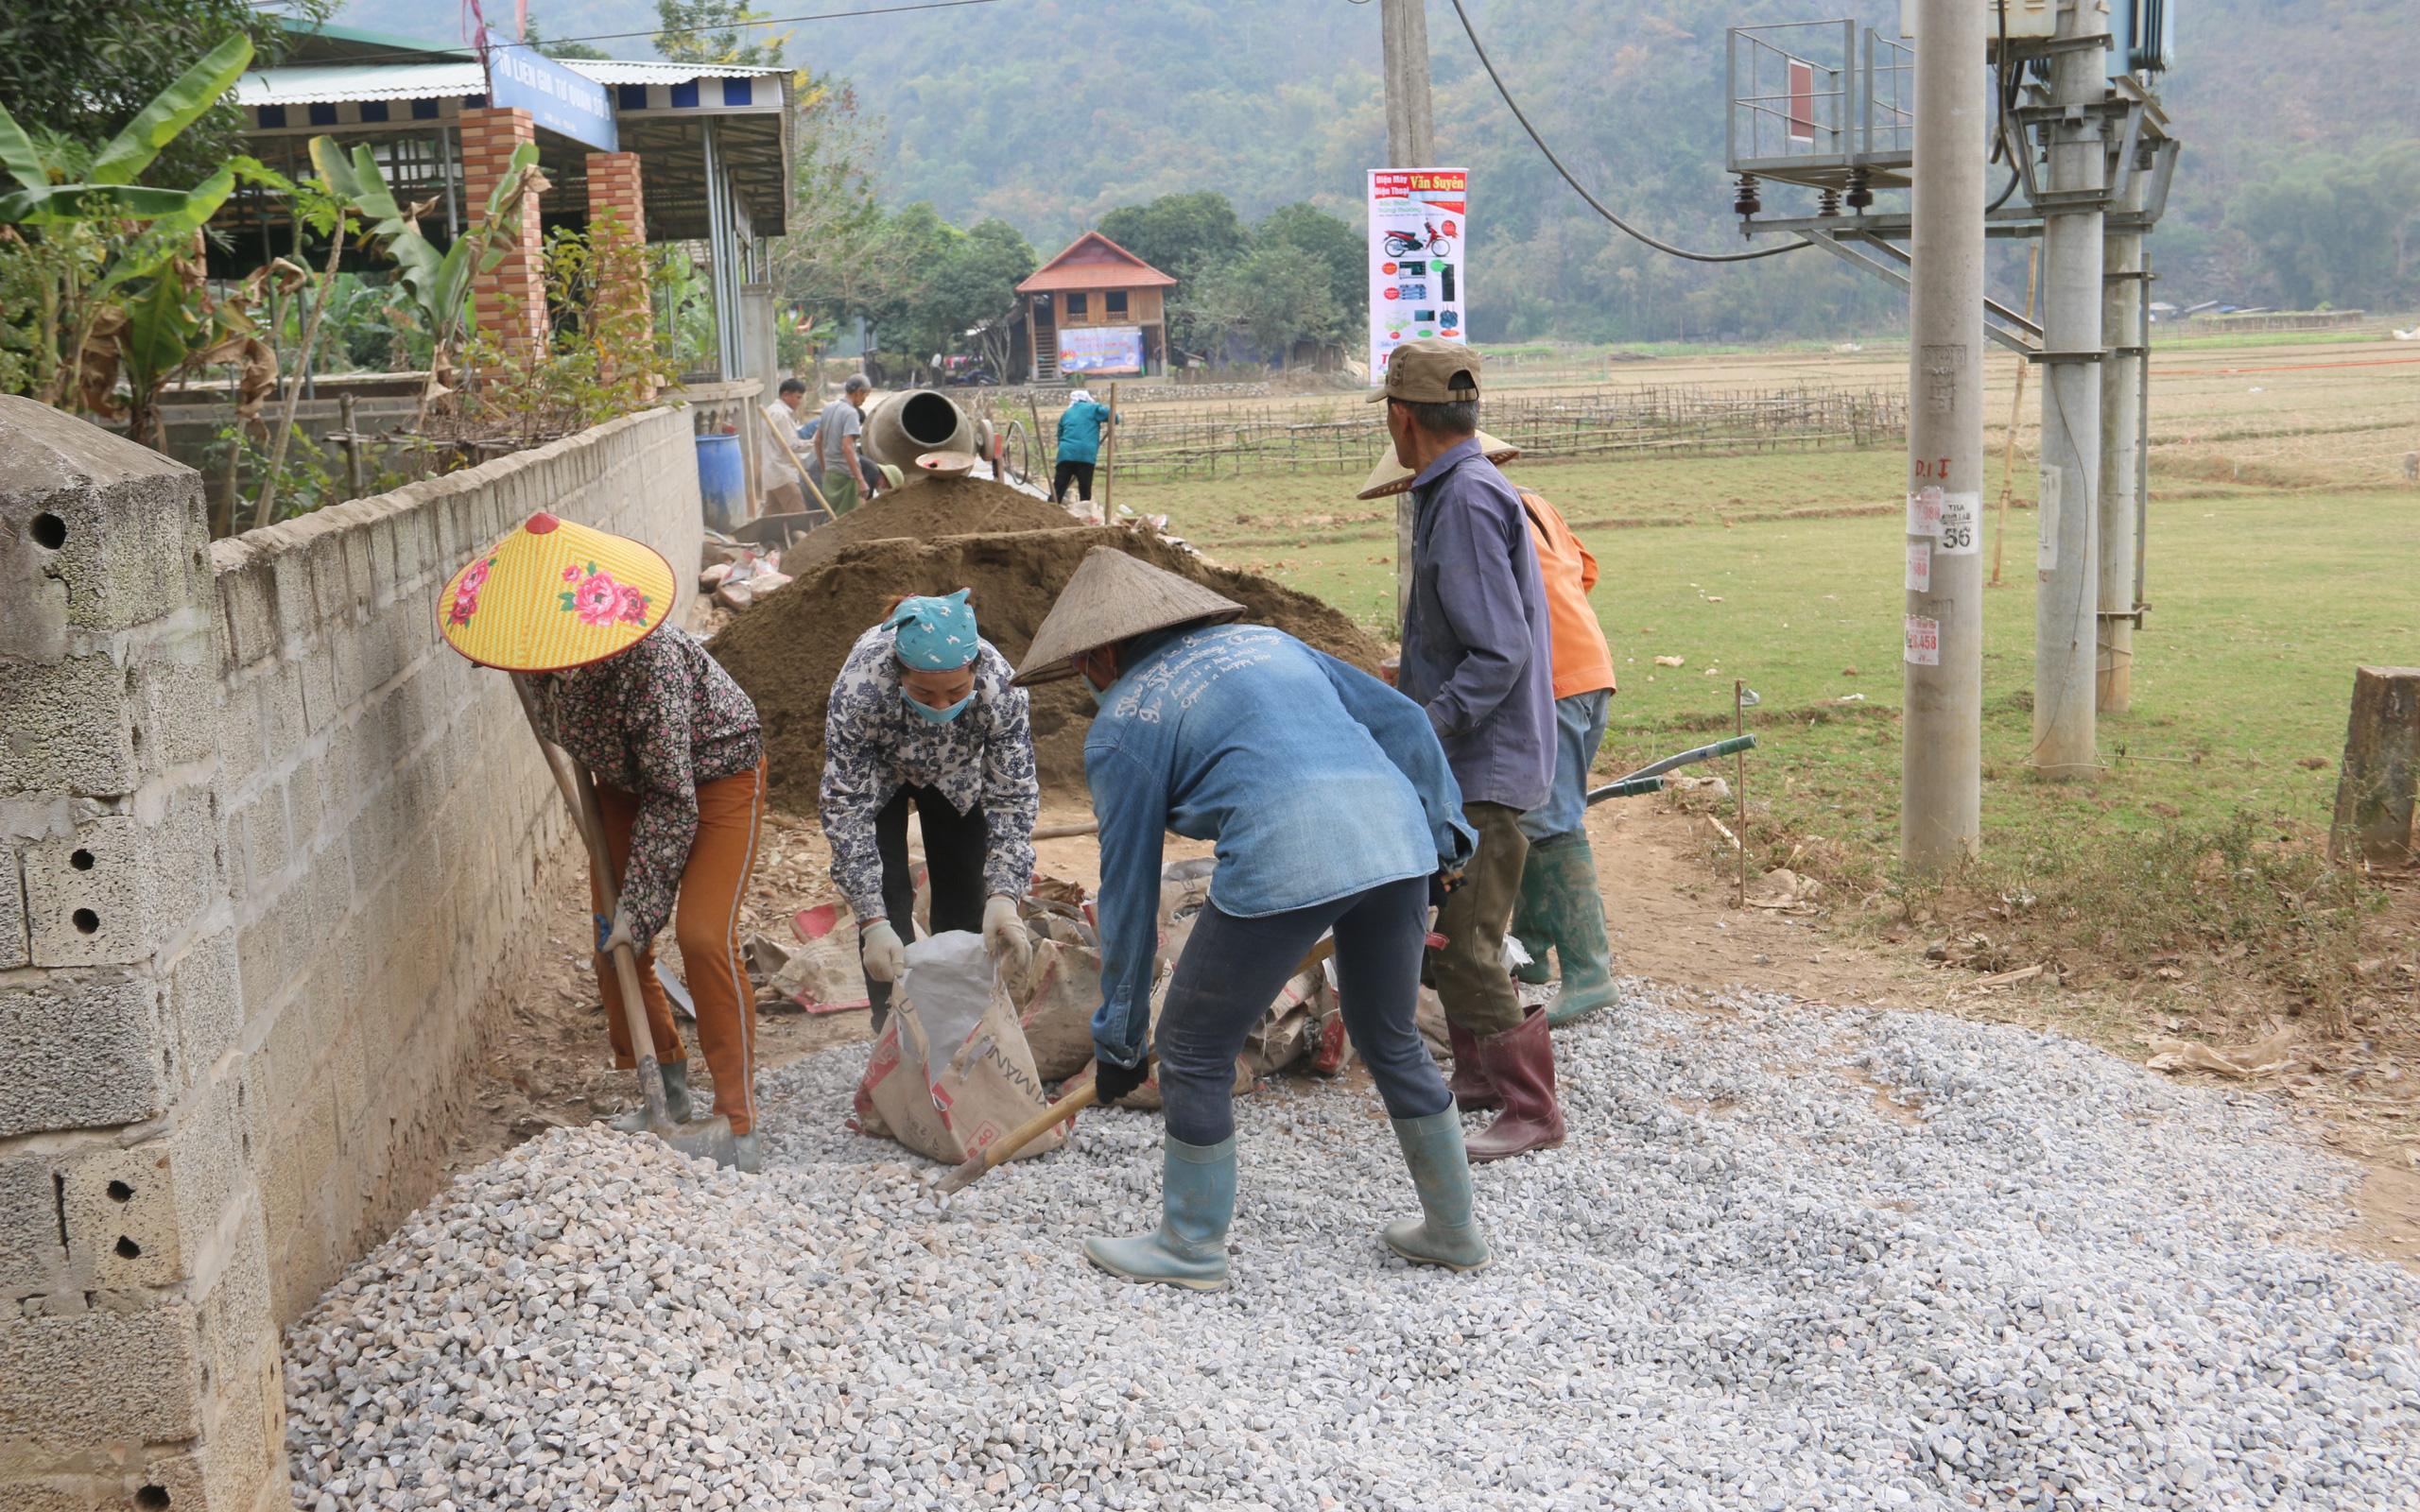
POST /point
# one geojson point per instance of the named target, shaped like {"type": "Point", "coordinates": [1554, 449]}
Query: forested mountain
{"type": "Point", "coordinates": [2300, 182]}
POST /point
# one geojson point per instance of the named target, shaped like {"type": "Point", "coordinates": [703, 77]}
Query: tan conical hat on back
{"type": "Point", "coordinates": [1390, 477]}
{"type": "Point", "coordinates": [1114, 595]}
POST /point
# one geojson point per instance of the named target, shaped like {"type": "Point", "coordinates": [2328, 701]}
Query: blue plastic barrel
{"type": "Point", "coordinates": [721, 482]}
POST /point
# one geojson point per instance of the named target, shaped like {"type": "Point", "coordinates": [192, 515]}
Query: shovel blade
{"type": "Point", "coordinates": [704, 1138]}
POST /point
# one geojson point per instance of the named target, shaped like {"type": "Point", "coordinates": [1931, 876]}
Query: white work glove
{"type": "Point", "coordinates": [1004, 933]}
{"type": "Point", "coordinates": [886, 959]}
{"type": "Point", "coordinates": [612, 933]}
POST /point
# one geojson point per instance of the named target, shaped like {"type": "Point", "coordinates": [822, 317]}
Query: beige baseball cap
{"type": "Point", "coordinates": [1431, 371]}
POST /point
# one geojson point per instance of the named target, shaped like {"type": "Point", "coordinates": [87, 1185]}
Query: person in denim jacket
{"type": "Point", "coordinates": [1333, 810]}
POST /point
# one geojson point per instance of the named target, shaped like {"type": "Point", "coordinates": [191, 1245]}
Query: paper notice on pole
{"type": "Point", "coordinates": [2045, 550]}
{"type": "Point", "coordinates": [1962, 523]}
{"type": "Point", "coordinates": [1924, 642]}
{"type": "Point", "coordinates": [1919, 566]}
{"type": "Point", "coordinates": [1923, 513]}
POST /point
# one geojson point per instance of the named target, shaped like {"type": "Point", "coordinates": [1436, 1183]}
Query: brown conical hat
{"type": "Point", "coordinates": [1390, 477]}
{"type": "Point", "coordinates": [1114, 595]}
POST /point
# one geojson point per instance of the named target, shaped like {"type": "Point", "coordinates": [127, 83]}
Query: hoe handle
{"type": "Point", "coordinates": [579, 792]}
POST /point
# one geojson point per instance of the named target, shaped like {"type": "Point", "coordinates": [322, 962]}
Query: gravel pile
{"type": "Point", "coordinates": [1791, 1259]}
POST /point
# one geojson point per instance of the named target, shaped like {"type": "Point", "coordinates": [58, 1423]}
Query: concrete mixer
{"type": "Point", "coordinates": [904, 426]}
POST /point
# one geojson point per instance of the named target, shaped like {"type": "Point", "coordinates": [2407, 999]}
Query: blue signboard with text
{"type": "Point", "coordinates": [572, 105]}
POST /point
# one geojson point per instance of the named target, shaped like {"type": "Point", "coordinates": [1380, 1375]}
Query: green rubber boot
{"type": "Point", "coordinates": [1445, 1235]}
{"type": "Point", "coordinates": [1529, 923]}
{"type": "Point", "coordinates": [1197, 1202]}
{"type": "Point", "coordinates": [1575, 914]}
{"type": "Point", "coordinates": [676, 1100]}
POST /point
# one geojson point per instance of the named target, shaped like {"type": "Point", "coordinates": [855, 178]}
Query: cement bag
{"type": "Point", "coordinates": [951, 1072]}
{"type": "Point", "coordinates": [1430, 1017]}
{"type": "Point", "coordinates": [1061, 990]}
{"type": "Point", "coordinates": [822, 975]}
{"type": "Point", "coordinates": [1283, 1036]}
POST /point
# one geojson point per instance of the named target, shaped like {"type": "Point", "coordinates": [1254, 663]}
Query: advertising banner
{"type": "Point", "coordinates": [1419, 228]}
{"type": "Point", "coordinates": [572, 105]}
{"type": "Point", "coordinates": [1101, 349]}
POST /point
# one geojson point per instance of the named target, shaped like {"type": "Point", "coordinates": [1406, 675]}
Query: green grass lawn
{"type": "Point", "coordinates": [2262, 604]}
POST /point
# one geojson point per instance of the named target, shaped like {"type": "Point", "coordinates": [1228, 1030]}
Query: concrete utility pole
{"type": "Point", "coordinates": [1411, 143]}
{"type": "Point", "coordinates": [1941, 755]}
{"type": "Point", "coordinates": [2121, 443]}
{"type": "Point", "coordinates": [2068, 598]}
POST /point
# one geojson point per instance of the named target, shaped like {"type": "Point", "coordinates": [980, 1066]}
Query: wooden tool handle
{"type": "Point", "coordinates": [805, 479]}
{"type": "Point", "coordinates": [1004, 1149]}
{"type": "Point", "coordinates": [579, 792]}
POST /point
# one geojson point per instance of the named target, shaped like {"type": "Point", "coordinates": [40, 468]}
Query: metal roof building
{"type": "Point", "coordinates": [713, 143]}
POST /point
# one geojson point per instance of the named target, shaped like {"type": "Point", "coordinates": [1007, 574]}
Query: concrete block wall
{"type": "Point", "coordinates": [265, 844]}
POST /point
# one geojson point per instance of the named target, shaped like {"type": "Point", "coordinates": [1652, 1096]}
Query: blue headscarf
{"type": "Point", "coordinates": [935, 634]}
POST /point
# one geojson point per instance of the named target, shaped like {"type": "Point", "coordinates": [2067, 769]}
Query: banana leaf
{"type": "Point", "coordinates": [185, 101]}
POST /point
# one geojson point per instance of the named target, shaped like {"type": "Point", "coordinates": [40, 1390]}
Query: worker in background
{"type": "Point", "coordinates": [1079, 434]}
{"type": "Point", "coordinates": [1476, 655]}
{"type": "Point", "coordinates": [838, 437]}
{"type": "Point", "coordinates": [924, 713]}
{"type": "Point", "coordinates": [1560, 908]}
{"type": "Point", "coordinates": [1332, 809]}
{"type": "Point", "coordinates": [778, 476]}
{"type": "Point", "coordinates": [677, 757]}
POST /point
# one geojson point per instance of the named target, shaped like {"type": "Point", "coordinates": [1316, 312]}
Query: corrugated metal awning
{"type": "Point", "coordinates": [331, 83]}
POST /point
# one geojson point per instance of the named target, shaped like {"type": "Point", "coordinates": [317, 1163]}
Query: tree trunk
{"type": "Point", "coordinates": [2374, 788]}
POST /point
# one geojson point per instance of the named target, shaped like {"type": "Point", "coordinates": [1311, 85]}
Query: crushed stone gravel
{"type": "Point", "coordinates": [1791, 1258]}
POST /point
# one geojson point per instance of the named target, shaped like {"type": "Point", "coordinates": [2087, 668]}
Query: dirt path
{"type": "Point", "coordinates": [1670, 919]}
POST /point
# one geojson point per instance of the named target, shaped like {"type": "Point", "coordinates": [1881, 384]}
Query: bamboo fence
{"type": "Point", "coordinates": [1658, 419]}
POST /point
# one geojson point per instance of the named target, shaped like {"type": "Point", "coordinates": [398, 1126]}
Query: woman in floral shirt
{"type": "Point", "coordinates": [680, 766]}
{"type": "Point", "coordinates": [578, 615]}
{"type": "Point", "coordinates": [923, 712]}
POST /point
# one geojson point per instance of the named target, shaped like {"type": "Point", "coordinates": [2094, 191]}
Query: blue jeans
{"type": "Point", "coordinates": [1233, 969]}
{"type": "Point", "coordinates": [1579, 730]}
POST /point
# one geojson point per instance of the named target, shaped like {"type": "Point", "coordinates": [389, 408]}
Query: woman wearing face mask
{"type": "Point", "coordinates": [923, 712]}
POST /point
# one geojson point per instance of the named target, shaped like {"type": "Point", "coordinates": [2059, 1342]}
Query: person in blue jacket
{"type": "Point", "coordinates": [1333, 810]}
{"type": "Point", "coordinates": [1079, 433]}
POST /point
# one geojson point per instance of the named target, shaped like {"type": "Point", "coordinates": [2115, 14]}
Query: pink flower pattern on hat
{"type": "Point", "coordinates": [466, 591]}
{"type": "Point", "coordinates": [597, 599]}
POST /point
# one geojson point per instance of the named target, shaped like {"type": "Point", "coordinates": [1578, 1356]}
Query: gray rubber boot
{"type": "Point", "coordinates": [1574, 912]}
{"type": "Point", "coordinates": [676, 1100]}
{"type": "Point", "coordinates": [1445, 1233]}
{"type": "Point", "coordinates": [1197, 1203]}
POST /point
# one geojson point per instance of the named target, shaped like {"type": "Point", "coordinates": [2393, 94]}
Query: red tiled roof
{"type": "Point", "coordinates": [1092, 260]}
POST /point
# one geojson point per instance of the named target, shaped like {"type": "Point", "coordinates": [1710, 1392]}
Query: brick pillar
{"type": "Point", "coordinates": [138, 1355]}
{"type": "Point", "coordinates": [617, 237]}
{"type": "Point", "coordinates": [512, 297]}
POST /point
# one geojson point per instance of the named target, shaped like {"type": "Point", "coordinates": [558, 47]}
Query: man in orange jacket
{"type": "Point", "coordinates": [1560, 908]}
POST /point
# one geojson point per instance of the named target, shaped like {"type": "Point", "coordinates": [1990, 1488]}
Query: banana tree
{"type": "Point", "coordinates": [175, 326]}
{"type": "Point", "coordinates": [98, 229]}
{"type": "Point", "coordinates": [439, 283]}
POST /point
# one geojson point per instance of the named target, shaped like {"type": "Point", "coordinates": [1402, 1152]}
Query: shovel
{"type": "Point", "coordinates": [1649, 778]}
{"type": "Point", "coordinates": [1004, 1149]}
{"type": "Point", "coordinates": [708, 1139]}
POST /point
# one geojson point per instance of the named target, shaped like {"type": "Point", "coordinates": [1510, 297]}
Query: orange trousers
{"type": "Point", "coordinates": [705, 921]}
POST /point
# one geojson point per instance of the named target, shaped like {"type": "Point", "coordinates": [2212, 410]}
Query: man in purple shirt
{"type": "Point", "coordinates": [1477, 656]}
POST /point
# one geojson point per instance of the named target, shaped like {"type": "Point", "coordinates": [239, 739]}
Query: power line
{"type": "Point", "coordinates": [1618, 224]}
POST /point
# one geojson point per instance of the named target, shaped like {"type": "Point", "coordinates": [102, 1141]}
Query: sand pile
{"type": "Point", "coordinates": [787, 648]}
{"type": "Point", "coordinates": [925, 510]}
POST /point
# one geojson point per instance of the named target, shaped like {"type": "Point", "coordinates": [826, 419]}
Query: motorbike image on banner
{"type": "Point", "coordinates": [1419, 226]}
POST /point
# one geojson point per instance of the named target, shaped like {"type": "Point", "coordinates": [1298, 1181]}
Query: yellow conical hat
{"type": "Point", "coordinates": [554, 595]}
